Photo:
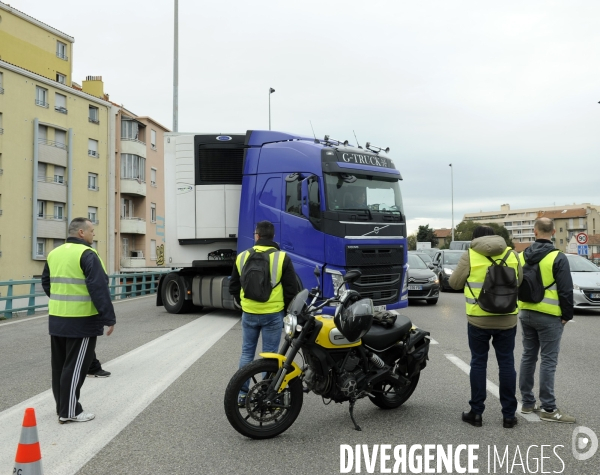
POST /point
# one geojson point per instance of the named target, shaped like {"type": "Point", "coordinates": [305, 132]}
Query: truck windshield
{"type": "Point", "coordinates": [354, 192]}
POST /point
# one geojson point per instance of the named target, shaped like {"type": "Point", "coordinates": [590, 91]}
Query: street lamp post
{"type": "Point", "coordinates": [176, 69]}
{"type": "Point", "coordinates": [452, 196]}
{"type": "Point", "coordinates": [271, 91]}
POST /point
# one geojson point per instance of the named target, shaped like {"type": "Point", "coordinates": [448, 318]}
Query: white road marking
{"type": "Point", "coordinates": [138, 378]}
{"type": "Point", "coordinates": [433, 342]}
{"type": "Point", "coordinates": [491, 387]}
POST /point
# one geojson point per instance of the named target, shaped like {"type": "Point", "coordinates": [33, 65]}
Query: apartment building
{"type": "Point", "coordinates": [56, 147]}
{"type": "Point", "coordinates": [139, 164]}
{"type": "Point", "coordinates": [568, 220]}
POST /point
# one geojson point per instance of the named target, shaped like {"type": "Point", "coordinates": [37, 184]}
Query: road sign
{"type": "Point", "coordinates": [582, 249]}
{"type": "Point", "coordinates": [582, 238]}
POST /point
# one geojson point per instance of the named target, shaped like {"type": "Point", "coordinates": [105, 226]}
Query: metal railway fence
{"type": "Point", "coordinates": [121, 286]}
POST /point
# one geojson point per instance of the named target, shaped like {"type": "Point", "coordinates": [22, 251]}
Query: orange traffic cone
{"type": "Point", "coordinates": [29, 457]}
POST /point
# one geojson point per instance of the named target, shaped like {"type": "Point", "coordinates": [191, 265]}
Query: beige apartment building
{"type": "Point", "coordinates": [568, 221]}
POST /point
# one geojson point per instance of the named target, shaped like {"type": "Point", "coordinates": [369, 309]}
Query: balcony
{"type": "Point", "coordinates": [62, 110]}
{"type": "Point", "coordinates": [133, 262]}
{"type": "Point", "coordinates": [576, 227]}
{"type": "Point", "coordinates": [50, 227]}
{"type": "Point", "coordinates": [133, 187]}
{"type": "Point", "coordinates": [52, 152]}
{"type": "Point", "coordinates": [133, 226]}
{"type": "Point", "coordinates": [133, 146]}
{"type": "Point", "coordinates": [93, 153]}
{"type": "Point", "coordinates": [94, 120]}
{"type": "Point", "coordinates": [62, 56]}
{"type": "Point", "coordinates": [51, 190]}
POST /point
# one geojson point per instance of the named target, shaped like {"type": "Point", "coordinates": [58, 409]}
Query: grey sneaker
{"type": "Point", "coordinates": [99, 374]}
{"type": "Point", "coordinates": [81, 417]}
{"type": "Point", "coordinates": [530, 409]}
{"type": "Point", "coordinates": [556, 416]}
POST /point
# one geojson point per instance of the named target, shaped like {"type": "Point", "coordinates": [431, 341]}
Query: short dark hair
{"type": "Point", "coordinates": [544, 225]}
{"type": "Point", "coordinates": [265, 230]}
{"type": "Point", "coordinates": [480, 231]}
{"type": "Point", "coordinates": [77, 224]}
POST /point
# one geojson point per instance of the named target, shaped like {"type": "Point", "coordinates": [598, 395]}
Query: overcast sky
{"type": "Point", "coordinates": [505, 91]}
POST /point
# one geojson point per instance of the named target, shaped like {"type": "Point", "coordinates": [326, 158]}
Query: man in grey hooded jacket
{"type": "Point", "coordinates": [484, 326]}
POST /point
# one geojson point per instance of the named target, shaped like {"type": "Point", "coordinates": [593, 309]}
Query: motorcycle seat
{"type": "Point", "coordinates": [379, 338]}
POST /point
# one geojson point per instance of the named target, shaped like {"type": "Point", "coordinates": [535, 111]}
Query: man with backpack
{"type": "Point", "coordinates": [263, 282]}
{"type": "Point", "coordinates": [492, 274]}
{"type": "Point", "coordinates": [546, 304]}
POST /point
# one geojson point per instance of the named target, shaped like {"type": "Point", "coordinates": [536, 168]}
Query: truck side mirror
{"type": "Point", "coordinates": [304, 202]}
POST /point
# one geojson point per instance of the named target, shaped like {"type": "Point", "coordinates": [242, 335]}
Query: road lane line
{"type": "Point", "coordinates": [491, 387]}
{"type": "Point", "coordinates": [433, 342]}
{"type": "Point", "coordinates": [137, 379]}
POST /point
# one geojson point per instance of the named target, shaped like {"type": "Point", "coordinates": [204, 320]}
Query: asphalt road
{"type": "Point", "coordinates": [162, 410]}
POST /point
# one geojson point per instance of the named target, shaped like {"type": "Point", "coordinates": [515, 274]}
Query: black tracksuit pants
{"type": "Point", "coordinates": [71, 358]}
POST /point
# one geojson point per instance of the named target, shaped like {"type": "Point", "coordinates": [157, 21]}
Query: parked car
{"type": "Point", "coordinates": [459, 245]}
{"type": "Point", "coordinates": [426, 258]}
{"type": "Point", "coordinates": [423, 283]}
{"type": "Point", "coordinates": [430, 252]}
{"type": "Point", "coordinates": [445, 262]}
{"type": "Point", "coordinates": [586, 282]}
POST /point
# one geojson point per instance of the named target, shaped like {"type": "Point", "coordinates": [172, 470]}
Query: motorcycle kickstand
{"type": "Point", "coordinates": [356, 426]}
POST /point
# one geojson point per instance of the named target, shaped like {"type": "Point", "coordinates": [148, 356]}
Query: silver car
{"type": "Point", "coordinates": [586, 282]}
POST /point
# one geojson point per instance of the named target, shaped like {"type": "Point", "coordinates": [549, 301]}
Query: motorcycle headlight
{"type": "Point", "coordinates": [447, 271]}
{"type": "Point", "coordinates": [289, 324]}
{"type": "Point", "coordinates": [337, 280]}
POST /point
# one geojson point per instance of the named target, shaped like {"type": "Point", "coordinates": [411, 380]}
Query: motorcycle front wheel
{"type": "Point", "coordinates": [388, 396]}
{"type": "Point", "coordinates": [256, 417]}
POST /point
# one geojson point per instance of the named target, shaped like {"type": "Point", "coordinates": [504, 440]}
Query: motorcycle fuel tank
{"type": "Point", "coordinates": [330, 337]}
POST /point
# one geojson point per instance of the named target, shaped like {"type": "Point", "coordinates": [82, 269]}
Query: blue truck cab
{"type": "Point", "coordinates": [334, 206]}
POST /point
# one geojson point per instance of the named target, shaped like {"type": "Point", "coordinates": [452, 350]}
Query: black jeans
{"type": "Point", "coordinates": [71, 358]}
{"type": "Point", "coordinates": [504, 345]}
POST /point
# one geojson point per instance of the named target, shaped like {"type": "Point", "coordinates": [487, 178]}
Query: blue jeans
{"type": "Point", "coordinates": [270, 324]}
{"type": "Point", "coordinates": [504, 345]}
{"type": "Point", "coordinates": [541, 334]}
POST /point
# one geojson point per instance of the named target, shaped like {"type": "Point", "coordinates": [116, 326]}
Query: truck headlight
{"type": "Point", "coordinates": [289, 324]}
{"type": "Point", "coordinates": [337, 280]}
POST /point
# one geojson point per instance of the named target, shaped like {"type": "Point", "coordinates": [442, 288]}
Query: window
{"type": "Point", "coordinates": [1, 129]}
{"type": "Point", "coordinates": [60, 139]}
{"type": "Point", "coordinates": [42, 133]}
{"type": "Point", "coordinates": [59, 211]}
{"type": "Point", "coordinates": [133, 167]}
{"type": "Point", "coordinates": [153, 139]}
{"type": "Point", "coordinates": [59, 174]}
{"type": "Point", "coordinates": [61, 78]}
{"type": "Point", "coordinates": [153, 176]}
{"type": "Point", "coordinates": [129, 129]}
{"type": "Point", "coordinates": [58, 242]}
{"type": "Point", "coordinates": [41, 171]}
{"type": "Point", "coordinates": [152, 249]}
{"type": "Point", "coordinates": [93, 181]}
{"type": "Point", "coordinates": [41, 96]}
{"type": "Point", "coordinates": [126, 208]}
{"type": "Point", "coordinates": [41, 248]}
{"type": "Point", "coordinates": [153, 212]}
{"type": "Point", "coordinates": [293, 196]}
{"type": "Point", "coordinates": [93, 115]}
{"type": "Point", "coordinates": [561, 230]}
{"type": "Point", "coordinates": [561, 241]}
{"type": "Point", "coordinates": [93, 148]}
{"type": "Point", "coordinates": [61, 50]}
{"type": "Point", "coordinates": [124, 247]}
{"type": "Point", "coordinates": [314, 200]}
{"type": "Point", "coordinates": [41, 209]}
{"type": "Point", "coordinates": [93, 214]}
{"type": "Point", "coordinates": [60, 103]}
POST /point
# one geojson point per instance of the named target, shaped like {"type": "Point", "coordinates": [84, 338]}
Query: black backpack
{"type": "Point", "coordinates": [256, 276]}
{"type": "Point", "coordinates": [500, 288]}
{"type": "Point", "coordinates": [532, 288]}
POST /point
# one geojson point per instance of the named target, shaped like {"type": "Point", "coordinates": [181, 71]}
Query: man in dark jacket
{"type": "Point", "coordinates": [543, 323]}
{"type": "Point", "coordinates": [75, 280]}
{"type": "Point", "coordinates": [263, 317]}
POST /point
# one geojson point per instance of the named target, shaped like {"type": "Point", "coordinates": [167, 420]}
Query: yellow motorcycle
{"type": "Point", "coordinates": [343, 358]}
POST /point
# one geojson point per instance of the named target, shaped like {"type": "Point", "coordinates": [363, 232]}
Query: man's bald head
{"type": "Point", "coordinates": [543, 228]}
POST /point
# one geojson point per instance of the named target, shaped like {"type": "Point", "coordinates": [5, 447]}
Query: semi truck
{"type": "Point", "coordinates": [335, 207]}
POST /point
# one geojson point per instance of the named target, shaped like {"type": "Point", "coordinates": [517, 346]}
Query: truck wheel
{"type": "Point", "coordinates": [173, 294]}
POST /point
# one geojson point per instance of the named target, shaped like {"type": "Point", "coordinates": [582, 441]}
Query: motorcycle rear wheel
{"type": "Point", "coordinates": [393, 396]}
{"type": "Point", "coordinates": [255, 419]}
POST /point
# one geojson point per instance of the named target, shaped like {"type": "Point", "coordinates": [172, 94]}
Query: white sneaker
{"type": "Point", "coordinates": [81, 417]}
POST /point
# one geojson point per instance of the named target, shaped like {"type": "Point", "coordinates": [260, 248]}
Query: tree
{"type": "Point", "coordinates": [464, 231]}
{"type": "Point", "coordinates": [412, 242]}
{"type": "Point", "coordinates": [427, 234]}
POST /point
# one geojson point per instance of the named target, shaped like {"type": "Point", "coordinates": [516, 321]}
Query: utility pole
{"type": "Point", "coordinates": [452, 196]}
{"type": "Point", "coordinates": [176, 69]}
{"type": "Point", "coordinates": [271, 91]}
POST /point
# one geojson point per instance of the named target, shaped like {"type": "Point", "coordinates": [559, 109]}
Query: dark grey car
{"type": "Point", "coordinates": [445, 262]}
{"type": "Point", "coordinates": [423, 283]}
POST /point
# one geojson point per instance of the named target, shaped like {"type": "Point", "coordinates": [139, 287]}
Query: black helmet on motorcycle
{"type": "Point", "coordinates": [355, 320]}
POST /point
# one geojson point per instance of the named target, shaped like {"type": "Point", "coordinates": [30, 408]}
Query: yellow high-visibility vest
{"type": "Point", "coordinates": [69, 296]}
{"type": "Point", "coordinates": [550, 303]}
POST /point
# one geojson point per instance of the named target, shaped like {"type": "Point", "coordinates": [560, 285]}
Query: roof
{"type": "Point", "coordinates": [594, 240]}
{"type": "Point", "coordinates": [442, 233]}
{"type": "Point", "coordinates": [521, 246]}
{"type": "Point", "coordinates": [565, 213]}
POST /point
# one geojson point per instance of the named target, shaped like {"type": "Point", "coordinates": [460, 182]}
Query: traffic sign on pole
{"type": "Point", "coordinates": [582, 238]}
{"type": "Point", "coordinates": [582, 249]}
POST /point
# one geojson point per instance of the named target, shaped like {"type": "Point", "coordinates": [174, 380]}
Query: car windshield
{"type": "Point", "coordinates": [452, 258]}
{"type": "Point", "coordinates": [425, 257]}
{"type": "Point", "coordinates": [581, 264]}
{"type": "Point", "coordinates": [415, 262]}
{"type": "Point", "coordinates": [346, 191]}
